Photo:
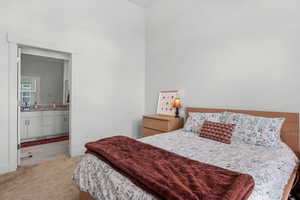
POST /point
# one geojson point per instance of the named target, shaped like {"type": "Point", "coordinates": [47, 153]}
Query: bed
{"type": "Point", "coordinates": [274, 170]}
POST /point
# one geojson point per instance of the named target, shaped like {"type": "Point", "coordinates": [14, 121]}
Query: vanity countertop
{"type": "Point", "coordinates": [45, 108]}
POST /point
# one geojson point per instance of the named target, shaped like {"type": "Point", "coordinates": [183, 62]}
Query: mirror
{"type": "Point", "coordinates": [42, 80]}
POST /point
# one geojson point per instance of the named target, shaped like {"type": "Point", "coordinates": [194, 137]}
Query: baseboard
{"type": "Point", "coordinates": [6, 169]}
{"type": "Point", "coordinates": [77, 151]}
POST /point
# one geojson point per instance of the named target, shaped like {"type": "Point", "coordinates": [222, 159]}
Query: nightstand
{"type": "Point", "coordinates": [156, 124]}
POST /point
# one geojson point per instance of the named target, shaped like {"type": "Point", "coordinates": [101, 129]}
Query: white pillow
{"type": "Point", "coordinates": [260, 131]}
{"type": "Point", "coordinates": [196, 119]}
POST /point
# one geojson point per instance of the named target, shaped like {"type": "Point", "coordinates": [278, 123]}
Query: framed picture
{"type": "Point", "coordinates": [165, 99]}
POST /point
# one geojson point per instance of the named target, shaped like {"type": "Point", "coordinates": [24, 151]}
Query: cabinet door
{"type": "Point", "coordinates": [66, 123]}
{"type": "Point", "coordinates": [23, 129]}
{"type": "Point", "coordinates": [49, 125]}
{"type": "Point", "coordinates": [59, 124]}
{"type": "Point", "coordinates": [34, 127]}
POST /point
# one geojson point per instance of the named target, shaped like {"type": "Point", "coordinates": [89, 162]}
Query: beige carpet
{"type": "Point", "coordinates": [47, 180]}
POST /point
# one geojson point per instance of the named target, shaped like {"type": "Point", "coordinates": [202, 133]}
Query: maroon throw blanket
{"type": "Point", "coordinates": [168, 175]}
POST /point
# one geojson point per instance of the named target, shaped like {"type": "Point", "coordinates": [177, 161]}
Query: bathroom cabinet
{"type": "Point", "coordinates": [39, 124]}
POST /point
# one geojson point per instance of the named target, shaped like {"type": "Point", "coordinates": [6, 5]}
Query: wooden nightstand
{"type": "Point", "coordinates": [155, 124]}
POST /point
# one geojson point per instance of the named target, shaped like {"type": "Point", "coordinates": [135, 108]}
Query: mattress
{"type": "Point", "coordinates": [270, 167]}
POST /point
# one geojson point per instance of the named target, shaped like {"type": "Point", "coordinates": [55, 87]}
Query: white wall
{"type": "Point", "coordinates": [51, 74]}
{"type": "Point", "coordinates": [233, 54]}
{"type": "Point", "coordinates": [4, 145]}
{"type": "Point", "coordinates": [108, 69]}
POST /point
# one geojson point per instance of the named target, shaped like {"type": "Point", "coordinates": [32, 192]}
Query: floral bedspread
{"type": "Point", "coordinates": [270, 167]}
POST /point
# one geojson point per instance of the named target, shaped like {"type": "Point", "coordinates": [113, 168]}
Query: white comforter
{"type": "Point", "coordinates": [270, 167]}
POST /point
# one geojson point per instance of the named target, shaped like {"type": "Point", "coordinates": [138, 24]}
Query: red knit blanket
{"type": "Point", "coordinates": [168, 175]}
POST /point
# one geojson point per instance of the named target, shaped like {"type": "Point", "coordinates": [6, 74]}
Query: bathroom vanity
{"type": "Point", "coordinates": [43, 123]}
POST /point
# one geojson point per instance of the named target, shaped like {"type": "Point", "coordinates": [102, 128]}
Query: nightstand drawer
{"type": "Point", "coordinates": [161, 125]}
{"type": "Point", "coordinates": [156, 124]}
{"type": "Point", "coordinates": [149, 132]}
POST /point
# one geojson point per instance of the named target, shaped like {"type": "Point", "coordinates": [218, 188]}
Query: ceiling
{"type": "Point", "coordinates": [142, 3]}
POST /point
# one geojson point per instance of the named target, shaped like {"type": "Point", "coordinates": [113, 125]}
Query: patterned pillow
{"type": "Point", "coordinates": [217, 131]}
{"type": "Point", "coordinates": [260, 131]}
{"type": "Point", "coordinates": [196, 120]}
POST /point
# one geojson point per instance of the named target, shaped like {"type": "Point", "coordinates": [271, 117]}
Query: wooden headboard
{"type": "Point", "coordinates": [289, 131]}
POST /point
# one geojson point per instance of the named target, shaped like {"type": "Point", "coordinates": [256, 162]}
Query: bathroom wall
{"type": "Point", "coordinates": [50, 71]}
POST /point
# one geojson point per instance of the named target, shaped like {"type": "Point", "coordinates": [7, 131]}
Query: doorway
{"type": "Point", "coordinates": [43, 94]}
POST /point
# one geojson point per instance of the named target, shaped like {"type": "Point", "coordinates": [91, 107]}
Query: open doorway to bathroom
{"type": "Point", "coordinates": [43, 111]}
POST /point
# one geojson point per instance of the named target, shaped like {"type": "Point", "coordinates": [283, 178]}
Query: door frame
{"type": "Point", "coordinates": [14, 42]}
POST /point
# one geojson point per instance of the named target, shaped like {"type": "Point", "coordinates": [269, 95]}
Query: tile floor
{"type": "Point", "coordinates": [35, 154]}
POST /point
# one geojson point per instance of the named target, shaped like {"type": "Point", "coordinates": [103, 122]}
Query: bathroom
{"type": "Point", "coordinates": [44, 96]}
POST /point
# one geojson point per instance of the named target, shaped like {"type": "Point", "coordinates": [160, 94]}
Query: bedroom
{"type": "Point", "coordinates": [234, 54]}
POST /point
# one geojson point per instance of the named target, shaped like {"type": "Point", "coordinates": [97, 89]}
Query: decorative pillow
{"type": "Point", "coordinates": [260, 131]}
{"type": "Point", "coordinates": [196, 120]}
{"type": "Point", "coordinates": [217, 131]}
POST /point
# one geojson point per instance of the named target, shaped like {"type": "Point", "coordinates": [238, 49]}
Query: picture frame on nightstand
{"type": "Point", "coordinates": [164, 105]}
